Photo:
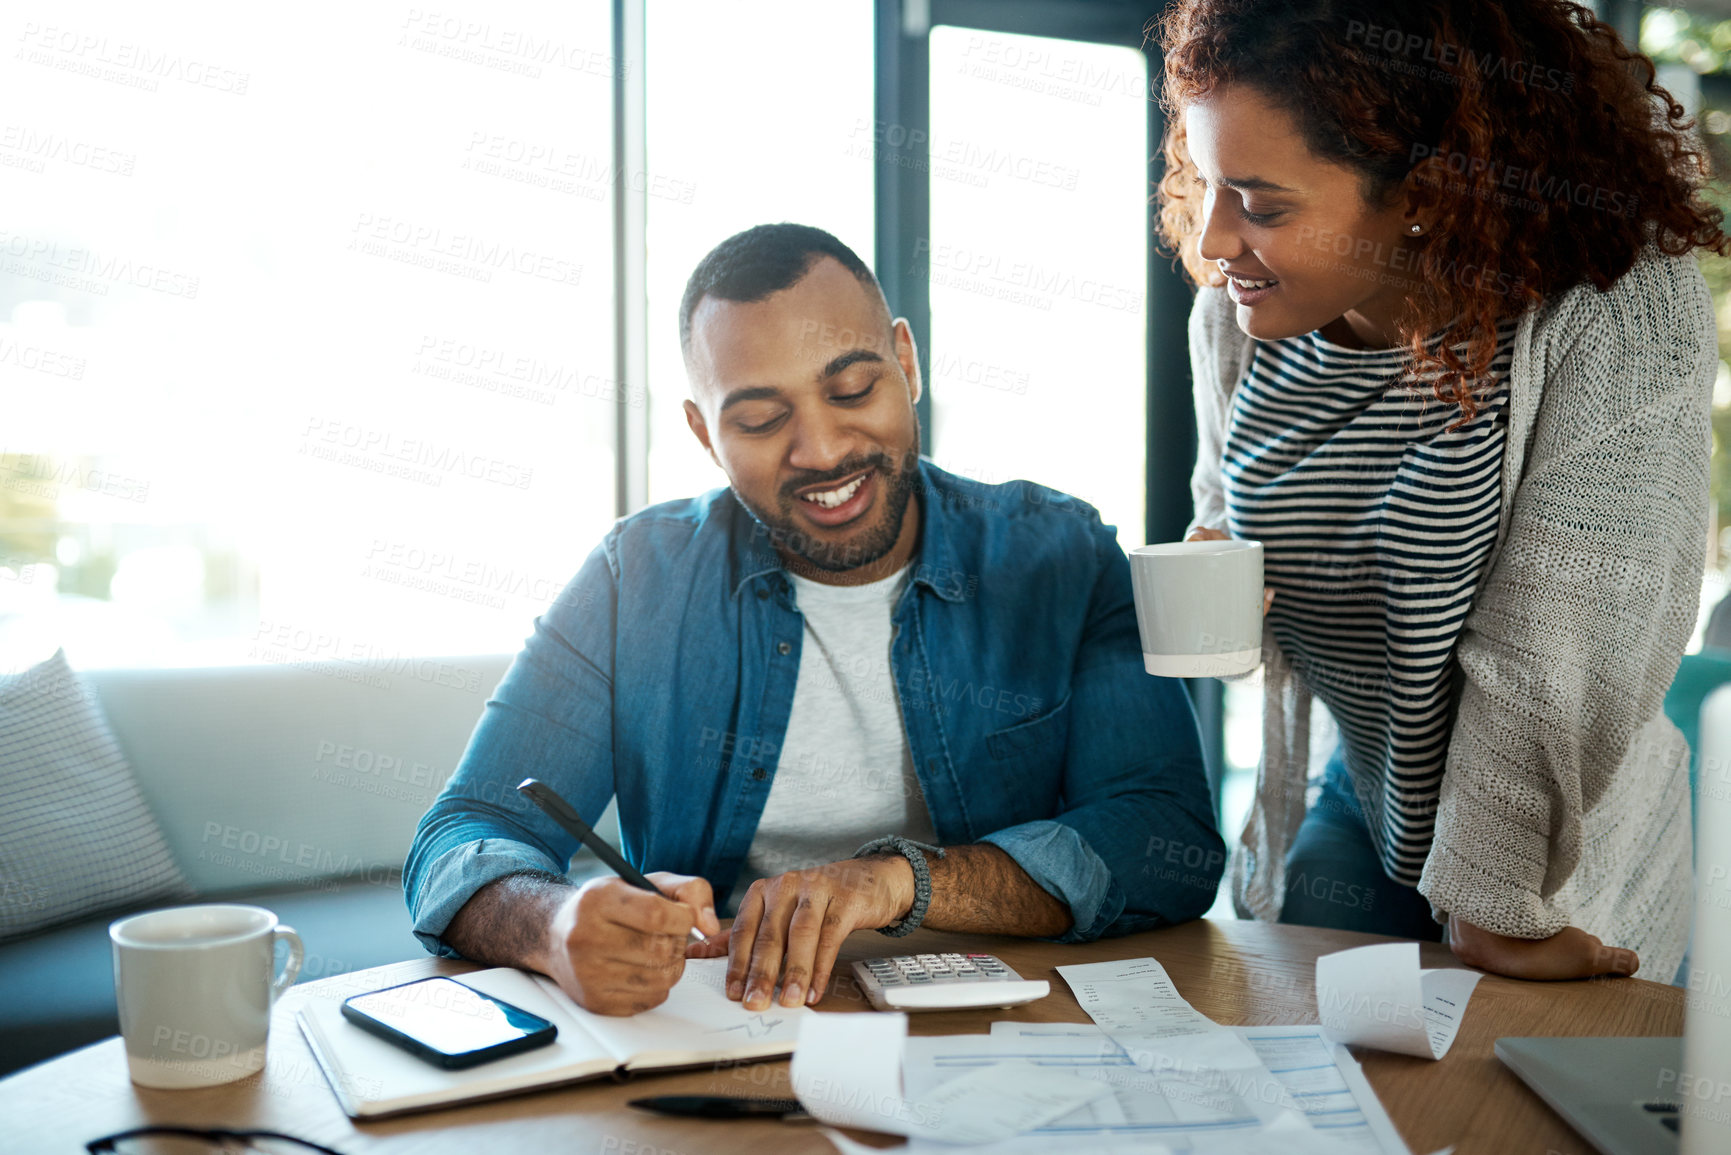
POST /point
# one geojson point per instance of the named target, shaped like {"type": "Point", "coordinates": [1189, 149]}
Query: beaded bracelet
{"type": "Point", "coordinates": [915, 853]}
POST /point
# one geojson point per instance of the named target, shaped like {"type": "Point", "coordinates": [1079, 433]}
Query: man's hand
{"type": "Point", "coordinates": [792, 925]}
{"type": "Point", "coordinates": [618, 950]}
{"type": "Point", "coordinates": [1571, 953]}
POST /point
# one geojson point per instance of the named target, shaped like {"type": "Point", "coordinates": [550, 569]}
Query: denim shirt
{"type": "Point", "coordinates": [663, 677]}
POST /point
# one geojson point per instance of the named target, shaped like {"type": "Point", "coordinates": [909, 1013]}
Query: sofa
{"type": "Point", "coordinates": [293, 787]}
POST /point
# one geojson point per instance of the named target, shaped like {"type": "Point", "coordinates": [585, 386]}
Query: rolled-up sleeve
{"type": "Point", "coordinates": [451, 878]}
{"type": "Point", "coordinates": [551, 717]}
{"type": "Point", "coordinates": [1058, 858]}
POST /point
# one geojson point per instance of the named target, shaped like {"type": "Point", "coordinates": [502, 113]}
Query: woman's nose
{"type": "Point", "coordinates": [1218, 240]}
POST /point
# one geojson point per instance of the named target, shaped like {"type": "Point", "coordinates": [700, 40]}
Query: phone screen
{"type": "Point", "coordinates": [448, 1017]}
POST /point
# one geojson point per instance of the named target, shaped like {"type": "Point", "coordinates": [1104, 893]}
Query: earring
{"type": "Point", "coordinates": [1416, 230]}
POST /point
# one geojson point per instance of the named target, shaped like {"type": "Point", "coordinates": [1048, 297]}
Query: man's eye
{"type": "Point", "coordinates": [844, 398]}
{"type": "Point", "coordinates": [765, 427]}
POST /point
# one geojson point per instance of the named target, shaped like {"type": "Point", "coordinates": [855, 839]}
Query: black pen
{"type": "Point", "coordinates": [560, 811]}
{"type": "Point", "coordinates": [722, 1107]}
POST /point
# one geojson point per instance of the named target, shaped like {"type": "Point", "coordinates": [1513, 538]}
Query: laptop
{"type": "Point", "coordinates": [1630, 1096]}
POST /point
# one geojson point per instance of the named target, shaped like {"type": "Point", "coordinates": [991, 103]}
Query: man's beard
{"type": "Point", "coordinates": [874, 543]}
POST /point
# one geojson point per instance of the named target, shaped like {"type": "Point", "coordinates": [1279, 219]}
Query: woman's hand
{"type": "Point", "coordinates": [1203, 533]}
{"type": "Point", "coordinates": [1571, 953]}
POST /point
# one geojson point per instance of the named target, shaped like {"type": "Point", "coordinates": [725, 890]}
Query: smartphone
{"type": "Point", "coordinates": [448, 1024]}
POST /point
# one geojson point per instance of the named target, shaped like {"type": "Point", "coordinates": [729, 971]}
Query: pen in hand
{"type": "Point", "coordinates": [560, 811]}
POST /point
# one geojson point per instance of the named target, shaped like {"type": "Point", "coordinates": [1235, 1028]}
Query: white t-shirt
{"type": "Point", "coordinates": [845, 775]}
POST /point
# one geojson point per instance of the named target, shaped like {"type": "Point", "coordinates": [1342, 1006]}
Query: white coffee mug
{"type": "Point", "coordinates": [1199, 607]}
{"type": "Point", "coordinates": [195, 985]}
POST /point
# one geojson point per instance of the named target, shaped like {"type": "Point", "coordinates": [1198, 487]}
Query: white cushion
{"type": "Point", "coordinates": [282, 775]}
{"type": "Point", "coordinates": [75, 834]}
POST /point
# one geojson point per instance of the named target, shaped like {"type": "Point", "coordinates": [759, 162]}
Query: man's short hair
{"type": "Point", "coordinates": [764, 259]}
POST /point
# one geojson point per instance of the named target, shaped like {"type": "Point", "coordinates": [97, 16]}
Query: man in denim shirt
{"type": "Point", "coordinates": [845, 644]}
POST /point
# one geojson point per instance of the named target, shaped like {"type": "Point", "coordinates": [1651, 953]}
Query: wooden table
{"type": "Point", "coordinates": [1239, 973]}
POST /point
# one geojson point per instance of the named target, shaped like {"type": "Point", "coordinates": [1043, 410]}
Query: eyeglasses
{"type": "Point", "coordinates": [201, 1141]}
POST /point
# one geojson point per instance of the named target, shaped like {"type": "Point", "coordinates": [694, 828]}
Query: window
{"type": "Point", "coordinates": [1038, 263]}
{"type": "Point", "coordinates": [758, 113]}
{"type": "Point", "coordinates": [305, 328]}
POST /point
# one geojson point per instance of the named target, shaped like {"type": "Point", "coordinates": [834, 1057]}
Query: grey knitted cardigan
{"type": "Point", "coordinates": [1565, 798]}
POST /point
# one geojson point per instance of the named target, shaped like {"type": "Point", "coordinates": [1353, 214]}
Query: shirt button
{"type": "Point", "coordinates": [783, 649]}
{"type": "Point", "coordinates": [762, 594]}
{"type": "Point", "coordinates": [758, 773]}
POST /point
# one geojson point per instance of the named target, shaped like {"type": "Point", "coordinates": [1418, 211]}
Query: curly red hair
{"type": "Point", "coordinates": [1457, 101]}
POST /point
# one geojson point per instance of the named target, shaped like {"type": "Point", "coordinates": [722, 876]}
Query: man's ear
{"type": "Point", "coordinates": [700, 429]}
{"type": "Point", "coordinates": [908, 356]}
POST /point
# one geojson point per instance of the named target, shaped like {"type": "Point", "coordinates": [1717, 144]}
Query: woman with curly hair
{"type": "Point", "coordinates": [1453, 366]}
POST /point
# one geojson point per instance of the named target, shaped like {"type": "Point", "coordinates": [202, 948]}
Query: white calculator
{"type": "Point", "coordinates": [944, 982]}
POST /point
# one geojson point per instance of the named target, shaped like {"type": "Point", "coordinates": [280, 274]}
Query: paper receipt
{"type": "Point", "coordinates": [1377, 996]}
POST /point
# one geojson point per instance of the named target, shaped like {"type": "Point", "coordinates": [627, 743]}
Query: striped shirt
{"type": "Point", "coordinates": [1377, 521]}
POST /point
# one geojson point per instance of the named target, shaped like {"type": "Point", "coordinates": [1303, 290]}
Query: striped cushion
{"type": "Point", "coordinates": [75, 834]}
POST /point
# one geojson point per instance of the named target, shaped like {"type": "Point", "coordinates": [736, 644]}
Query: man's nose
{"type": "Point", "coordinates": [821, 441]}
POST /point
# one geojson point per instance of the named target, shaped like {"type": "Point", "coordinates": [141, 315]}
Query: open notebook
{"type": "Point", "coordinates": [697, 1024]}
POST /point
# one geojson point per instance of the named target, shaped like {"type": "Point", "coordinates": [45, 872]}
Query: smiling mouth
{"type": "Point", "coordinates": [1252, 283]}
{"type": "Point", "coordinates": [837, 496]}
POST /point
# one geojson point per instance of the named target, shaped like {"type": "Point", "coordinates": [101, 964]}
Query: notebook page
{"type": "Point", "coordinates": [697, 1024]}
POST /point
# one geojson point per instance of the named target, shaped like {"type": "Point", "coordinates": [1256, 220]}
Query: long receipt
{"type": "Point", "coordinates": [1134, 1002]}
{"type": "Point", "coordinates": [1377, 996]}
{"type": "Point", "coordinates": [1211, 1078]}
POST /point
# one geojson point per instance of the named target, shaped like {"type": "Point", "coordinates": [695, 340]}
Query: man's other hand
{"type": "Point", "coordinates": [617, 949]}
{"type": "Point", "coordinates": [790, 927]}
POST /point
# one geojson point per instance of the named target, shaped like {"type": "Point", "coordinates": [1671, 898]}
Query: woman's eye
{"type": "Point", "coordinates": [1257, 218]}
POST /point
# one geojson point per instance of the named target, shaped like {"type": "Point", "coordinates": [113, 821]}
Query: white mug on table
{"type": "Point", "coordinates": [195, 986]}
